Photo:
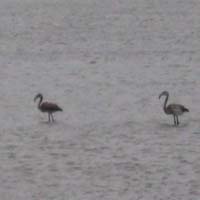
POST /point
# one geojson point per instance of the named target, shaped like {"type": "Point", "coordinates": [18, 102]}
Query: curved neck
{"type": "Point", "coordinates": [40, 101]}
{"type": "Point", "coordinates": [165, 103]}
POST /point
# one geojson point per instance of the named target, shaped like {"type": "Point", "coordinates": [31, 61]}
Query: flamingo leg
{"type": "Point", "coordinates": [177, 120]}
{"type": "Point", "coordinates": [52, 117]}
{"type": "Point", "coordinates": [49, 119]}
{"type": "Point", "coordinates": [174, 120]}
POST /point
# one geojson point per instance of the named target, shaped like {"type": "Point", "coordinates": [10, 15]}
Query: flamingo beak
{"type": "Point", "coordinates": [35, 98]}
{"type": "Point", "coordinates": [163, 93]}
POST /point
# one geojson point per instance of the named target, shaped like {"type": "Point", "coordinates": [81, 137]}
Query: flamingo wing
{"type": "Point", "coordinates": [50, 107]}
{"type": "Point", "coordinates": [176, 109]}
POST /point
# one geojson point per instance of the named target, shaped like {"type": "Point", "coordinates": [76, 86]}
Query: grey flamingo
{"type": "Point", "coordinates": [173, 109]}
{"type": "Point", "coordinates": [47, 107]}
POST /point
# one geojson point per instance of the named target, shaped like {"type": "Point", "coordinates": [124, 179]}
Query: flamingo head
{"type": "Point", "coordinates": [164, 93]}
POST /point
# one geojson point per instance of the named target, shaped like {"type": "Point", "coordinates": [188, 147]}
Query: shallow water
{"type": "Point", "coordinates": [104, 63]}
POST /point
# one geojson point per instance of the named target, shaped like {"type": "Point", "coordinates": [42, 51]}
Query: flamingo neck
{"type": "Point", "coordinates": [40, 101]}
{"type": "Point", "coordinates": [165, 104]}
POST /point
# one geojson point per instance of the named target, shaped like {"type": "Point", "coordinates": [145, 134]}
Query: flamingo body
{"type": "Point", "coordinates": [47, 107]}
{"type": "Point", "coordinates": [173, 109]}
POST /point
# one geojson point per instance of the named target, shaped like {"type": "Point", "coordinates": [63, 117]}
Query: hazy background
{"type": "Point", "coordinates": [105, 63]}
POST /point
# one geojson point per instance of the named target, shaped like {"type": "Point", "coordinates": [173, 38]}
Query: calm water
{"type": "Point", "coordinates": [104, 63]}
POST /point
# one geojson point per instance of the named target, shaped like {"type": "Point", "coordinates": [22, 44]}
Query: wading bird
{"type": "Point", "coordinates": [47, 107]}
{"type": "Point", "coordinates": [173, 109]}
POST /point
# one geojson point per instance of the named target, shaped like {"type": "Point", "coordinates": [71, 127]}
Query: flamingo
{"type": "Point", "coordinates": [173, 109]}
{"type": "Point", "coordinates": [48, 107]}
